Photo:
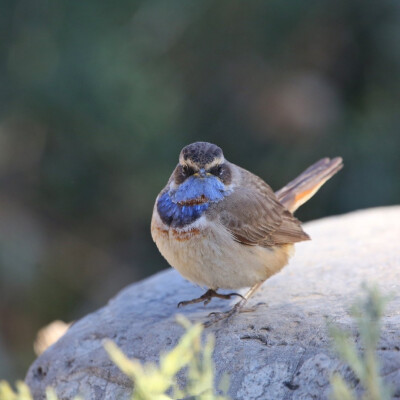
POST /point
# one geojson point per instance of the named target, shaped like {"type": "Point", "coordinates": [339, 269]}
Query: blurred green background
{"type": "Point", "coordinates": [97, 98]}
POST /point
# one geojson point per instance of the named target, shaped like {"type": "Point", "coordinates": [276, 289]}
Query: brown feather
{"type": "Point", "coordinates": [254, 216]}
{"type": "Point", "coordinates": [302, 188]}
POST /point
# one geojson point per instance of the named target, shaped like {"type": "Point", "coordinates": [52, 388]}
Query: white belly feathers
{"type": "Point", "coordinates": [206, 254]}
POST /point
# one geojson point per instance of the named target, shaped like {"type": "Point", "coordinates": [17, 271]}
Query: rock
{"type": "Point", "coordinates": [279, 351]}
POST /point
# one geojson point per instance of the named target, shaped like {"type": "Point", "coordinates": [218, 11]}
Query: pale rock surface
{"type": "Point", "coordinates": [279, 351]}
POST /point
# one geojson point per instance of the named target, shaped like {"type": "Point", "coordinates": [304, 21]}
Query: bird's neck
{"type": "Point", "coordinates": [179, 215]}
{"type": "Point", "coordinates": [182, 206]}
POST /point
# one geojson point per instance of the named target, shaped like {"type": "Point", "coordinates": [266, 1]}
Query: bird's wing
{"type": "Point", "coordinates": [254, 216]}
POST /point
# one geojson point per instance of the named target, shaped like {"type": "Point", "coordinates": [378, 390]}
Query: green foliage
{"type": "Point", "coordinates": [152, 382]}
{"type": "Point", "coordinates": [367, 313]}
{"type": "Point", "coordinates": [23, 393]}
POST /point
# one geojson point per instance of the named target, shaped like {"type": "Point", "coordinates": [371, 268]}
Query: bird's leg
{"type": "Point", "coordinates": [207, 296]}
{"type": "Point", "coordinates": [218, 316]}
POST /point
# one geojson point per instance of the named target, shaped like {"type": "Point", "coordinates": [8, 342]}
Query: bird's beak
{"type": "Point", "coordinates": [201, 174]}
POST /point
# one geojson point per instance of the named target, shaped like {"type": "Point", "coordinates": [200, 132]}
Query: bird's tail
{"type": "Point", "coordinates": [298, 191]}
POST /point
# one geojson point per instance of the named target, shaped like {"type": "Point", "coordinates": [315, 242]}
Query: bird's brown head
{"type": "Point", "coordinates": [202, 159]}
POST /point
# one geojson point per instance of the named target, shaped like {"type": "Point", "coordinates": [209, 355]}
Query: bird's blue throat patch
{"type": "Point", "coordinates": [182, 206]}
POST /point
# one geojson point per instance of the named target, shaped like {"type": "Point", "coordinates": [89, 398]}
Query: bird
{"type": "Point", "coordinates": [223, 227]}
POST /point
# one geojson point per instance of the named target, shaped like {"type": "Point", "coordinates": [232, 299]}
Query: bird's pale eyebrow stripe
{"type": "Point", "coordinates": [215, 162]}
{"type": "Point", "coordinates": [189, 163]}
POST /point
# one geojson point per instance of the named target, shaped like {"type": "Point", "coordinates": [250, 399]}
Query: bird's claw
{"type": "Point", "coordinates": [219, 316]}
{"type": "Point", "coordinates": [206, 298]}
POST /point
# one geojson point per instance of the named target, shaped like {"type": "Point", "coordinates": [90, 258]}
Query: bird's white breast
{"type": "Point", "coordinates": [205, 253]}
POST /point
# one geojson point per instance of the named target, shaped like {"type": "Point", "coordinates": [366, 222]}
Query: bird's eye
{"type": "Point", "coordinates": [187, 171]}
{"type": "Point", "coordinates": [217, 170]}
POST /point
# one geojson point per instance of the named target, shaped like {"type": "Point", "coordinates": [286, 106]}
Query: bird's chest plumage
{"type": "Point", "coordinates": [205, 253]}
{"type": "Point", "coordinates": [179, 215]}
{"type": "Point", "coordinates": [200, 247]}
{"type": "Point", "coordinates": [182, 206]}
{"type": "Point", "coordinates": [196, 250]}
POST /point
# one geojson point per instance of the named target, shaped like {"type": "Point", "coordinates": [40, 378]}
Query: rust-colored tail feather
{"type": "Point", "coordinates": [298, 191]}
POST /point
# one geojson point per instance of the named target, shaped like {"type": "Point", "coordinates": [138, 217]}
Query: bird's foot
{"type": "Point", "coordinates": [207, 296]}
{"type": "Point", "coordinates": [219, 316]}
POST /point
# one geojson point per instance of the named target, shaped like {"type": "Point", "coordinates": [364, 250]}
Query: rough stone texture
{"type": "Point", "coordinates": [279, 351]}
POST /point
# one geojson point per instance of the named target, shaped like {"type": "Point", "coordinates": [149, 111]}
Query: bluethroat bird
{"type": "Point", "coordinates": [223, 227]}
